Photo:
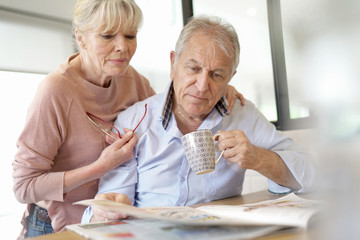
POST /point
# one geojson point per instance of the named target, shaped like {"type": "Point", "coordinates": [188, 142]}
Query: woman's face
{"type": "Point", "coordinates": [107, 54]}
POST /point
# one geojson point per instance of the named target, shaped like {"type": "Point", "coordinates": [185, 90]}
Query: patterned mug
{"type": "Point", "coordinates": [200, 151]}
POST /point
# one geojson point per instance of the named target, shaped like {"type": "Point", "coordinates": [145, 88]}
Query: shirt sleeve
{"type": "Point", "coordinates": [87, 215]}
{"type": "Point", "coordinates": [298, 161]}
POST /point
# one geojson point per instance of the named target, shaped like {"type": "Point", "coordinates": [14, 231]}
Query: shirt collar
{"type": "Point", "coordinates": [221, 107]}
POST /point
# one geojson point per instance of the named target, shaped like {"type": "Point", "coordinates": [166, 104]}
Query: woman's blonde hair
{"type": "Point", "coordinates": [107, 16]}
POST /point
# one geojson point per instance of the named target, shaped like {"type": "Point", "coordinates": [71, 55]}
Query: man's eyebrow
{"type": "Point", "coordinates": [194, 61]}
{"type": "Point", "coordinates": [220, 70]}
{"type": "Point", "coordinates": [191, 60]}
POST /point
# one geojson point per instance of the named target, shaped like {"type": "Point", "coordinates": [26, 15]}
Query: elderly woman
{"type": "Point", "coordinates": [61, 154]}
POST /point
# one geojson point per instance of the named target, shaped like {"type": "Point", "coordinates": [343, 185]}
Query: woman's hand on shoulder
{"type": "Point", "coordinates": [231, 95]}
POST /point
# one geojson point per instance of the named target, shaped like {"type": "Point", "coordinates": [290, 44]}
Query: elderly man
{"type": "Point", "coordinates": [204, 61]}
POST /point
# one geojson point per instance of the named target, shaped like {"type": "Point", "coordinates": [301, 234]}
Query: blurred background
{"type": "Point", "coordinates": [311, 48]}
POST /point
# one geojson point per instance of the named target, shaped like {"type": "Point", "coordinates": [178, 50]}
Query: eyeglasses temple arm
{"type": "Point", "coordinates": [141, 118]}
{"type": "Point", "coordinates": [92, 115]}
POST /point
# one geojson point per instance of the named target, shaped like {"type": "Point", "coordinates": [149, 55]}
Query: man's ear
{"type": "Point", "coordinates": [172, 65]}
{"type": "Point", "coordinates": [80, 39]}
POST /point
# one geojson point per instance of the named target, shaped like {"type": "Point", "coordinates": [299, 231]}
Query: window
{"type": "Point", "coordinates": [260, 29]}
{"type": "Point", "coordinates": [156, 38]}
{"type": "Point", "coordinates": [254, 77]}
{"type": "Point", "coordinates": [322, 55]}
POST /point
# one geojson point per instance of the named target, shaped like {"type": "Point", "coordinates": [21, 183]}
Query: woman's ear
{"type": "Point", "coordinates": [80, 39]}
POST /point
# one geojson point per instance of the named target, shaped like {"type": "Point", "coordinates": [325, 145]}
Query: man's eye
{"type": "Point", "coordinates": [218, 76]}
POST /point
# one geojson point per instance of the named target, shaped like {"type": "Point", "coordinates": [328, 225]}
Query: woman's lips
{"type": "Point", "coordinates": [118, 61]}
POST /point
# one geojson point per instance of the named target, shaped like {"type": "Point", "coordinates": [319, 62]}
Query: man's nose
{"type": "Point", "coordinates": [202, 82]}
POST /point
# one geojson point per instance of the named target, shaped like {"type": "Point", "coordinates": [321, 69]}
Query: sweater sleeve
{"type": "Point", "coordinates": [42, 136]}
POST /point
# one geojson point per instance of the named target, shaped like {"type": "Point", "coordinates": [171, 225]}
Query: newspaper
{"type": "Point", "coordinates": [205, 222]}
{"type": "Point", "coordinates": [150, 229]}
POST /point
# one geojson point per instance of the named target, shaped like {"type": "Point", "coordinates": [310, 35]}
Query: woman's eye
{"type": "Point", "coordinates": [130, 36]}
{"type": "Point", "coordinates": [107, 36]}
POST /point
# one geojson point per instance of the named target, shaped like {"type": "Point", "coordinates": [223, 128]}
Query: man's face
{"type": "Point", "coordinates": [200, 77]}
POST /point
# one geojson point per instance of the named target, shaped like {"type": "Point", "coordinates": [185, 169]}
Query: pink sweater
{"type": "Point", "coordinates": [58, 137]}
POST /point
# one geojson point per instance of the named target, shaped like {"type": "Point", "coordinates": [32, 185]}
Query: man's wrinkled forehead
{"type": "Point", "coordinates": [205, 52]}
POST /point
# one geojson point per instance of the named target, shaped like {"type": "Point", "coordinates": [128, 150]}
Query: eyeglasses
{"type": "Point", "coordinates": [95, 120]}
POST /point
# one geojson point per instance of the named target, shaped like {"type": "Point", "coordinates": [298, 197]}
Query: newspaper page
{"type": "Point", "coordinates": [289, 210]}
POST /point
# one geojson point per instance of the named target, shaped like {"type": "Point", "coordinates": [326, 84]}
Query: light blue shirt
{"type": "Point", "coordinates": [159, 174]}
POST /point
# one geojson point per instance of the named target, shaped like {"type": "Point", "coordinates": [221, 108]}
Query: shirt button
{"type": "Point", "coordinates": [182, 179]}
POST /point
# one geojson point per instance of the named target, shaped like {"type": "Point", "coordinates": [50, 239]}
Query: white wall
{"type": "Point", "coordinates": [61, 10]}
{"type": "Point", "coordinates": [29, 44]}
{"type": "Point", "coordinates": [16, 92]}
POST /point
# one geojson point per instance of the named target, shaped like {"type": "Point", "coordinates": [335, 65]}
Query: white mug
{"type": "Point", "coordinates": [200, 150]}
